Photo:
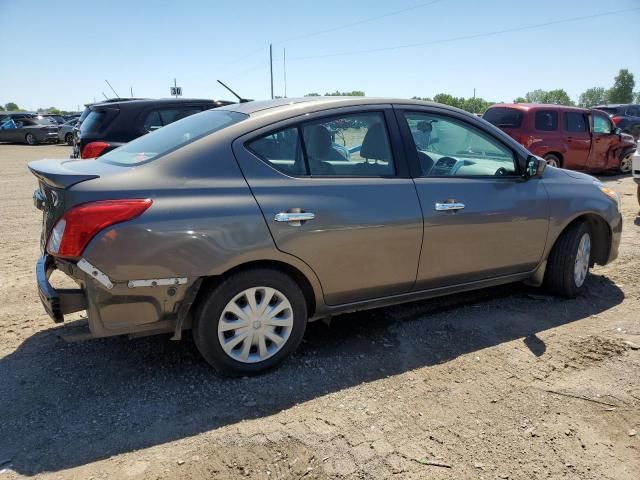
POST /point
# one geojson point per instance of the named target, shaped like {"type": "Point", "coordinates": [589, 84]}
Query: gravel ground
{"type": "Point", "coordinates": [501, 383]}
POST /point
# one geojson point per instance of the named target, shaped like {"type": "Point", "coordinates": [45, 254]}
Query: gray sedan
{"type": "Point", "coordinates": [28, 130]}
{"type": "Point", "coordinates": [247, 221]}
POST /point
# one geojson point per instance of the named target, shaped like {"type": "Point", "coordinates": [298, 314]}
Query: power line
{"type": "Point", "coordinates": [358, 22]}
{"type": "Point", "coordinates": [333, 29]}
{"type": "Point", "coordinates": [466, 37]}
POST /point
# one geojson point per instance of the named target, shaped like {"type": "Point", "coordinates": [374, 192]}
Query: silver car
{"type": "Point", "coordinates": [247, 221]}
{"type": "Point", "coordinates": [65, 131]}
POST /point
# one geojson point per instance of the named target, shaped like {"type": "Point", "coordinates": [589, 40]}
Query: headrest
{"type": "Point", "coordinates": [317, 141]}
{"type": "Point", "coordinates": [425, 126]}
{"type": "Point", "coordinates": [375, 146]}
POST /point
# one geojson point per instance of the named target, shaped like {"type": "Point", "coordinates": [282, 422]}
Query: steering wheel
{"type": "Point", "coordinates": [501, 172]}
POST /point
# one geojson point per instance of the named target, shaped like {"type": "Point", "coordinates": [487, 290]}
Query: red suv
{"type": "Point", "coordinates": [567, 137]}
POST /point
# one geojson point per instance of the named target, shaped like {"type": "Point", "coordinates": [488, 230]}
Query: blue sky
{"type": "Point", "coordinates": [60, 53]}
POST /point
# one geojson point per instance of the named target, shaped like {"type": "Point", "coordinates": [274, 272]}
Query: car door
{"type": "Point", "coordinates": [602, 139]}
{"type": "Point", "coordinates": [335, 192]}
{"type": "Point", "coordinates": [576, 130]}
{"type": "Point", "coordinates": [481, 218]}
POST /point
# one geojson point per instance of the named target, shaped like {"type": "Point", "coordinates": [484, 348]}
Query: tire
{"type": "Point", "coordinates": [68, 138]}
{"type": "Point", "coordinates": [626, 163]}
{"type": "Point", "coordinates": [553, 160]}
{"type": "Point", "coordinates": [30, 139]}
{"type": "Point", "coordinates": [560, 276]}
{"type": "Point", "coordinates": [232, 294]}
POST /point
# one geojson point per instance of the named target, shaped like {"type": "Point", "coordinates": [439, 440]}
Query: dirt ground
{"type": "Point", "coordinates": [502, 383]}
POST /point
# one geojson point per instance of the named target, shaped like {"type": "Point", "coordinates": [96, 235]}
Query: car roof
{"type": "Point", "coordinates": [134, 103]}
{"type": "Point", "coordinates": [304, 104]}
{"type": "Point", "coordinates": [525, 107]}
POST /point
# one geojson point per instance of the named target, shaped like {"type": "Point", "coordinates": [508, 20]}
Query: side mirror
{"type": "Point", "coordinates": [616, 131]}
{"type": "Point", "coordinates": [535, 167]}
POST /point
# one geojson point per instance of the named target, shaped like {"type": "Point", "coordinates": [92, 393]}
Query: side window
{"type": "Point", "coordinates": [601, 124]}
{"type": "Point", "coordinates": [546, 120]}
{"type": "Point", "coordinates": [448, 147]}
{"type": "Point", "coordinates": [574, 122]}
{"type": "Point", "coordinates": [349, 146]}
{"type": "Point", "coordinates": [152, 122]}
{"type": "Point", "coordinates": [633, 111]}
{"type": "Point", "coordinates": [282, 150]}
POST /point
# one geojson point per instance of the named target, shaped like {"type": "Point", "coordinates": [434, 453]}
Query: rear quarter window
{"type": "Point", "coordinates": [504, 117]}
{"type": "Point", "coordinates": [96, 121]}
{"type": "Point", "coordinates": [546, 120]}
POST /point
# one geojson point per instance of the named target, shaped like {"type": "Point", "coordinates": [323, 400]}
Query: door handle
{"type": "Point", "coordinates": [449, 206]}
{"type": "Point", "coordinates": [294, 219]}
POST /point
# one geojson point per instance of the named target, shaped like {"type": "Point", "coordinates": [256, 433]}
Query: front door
{"type": "Point", "coordinates": [576, 128]}
{"type": "Point", "coordinates": [602, 139]}
{"type": "Point", "coordinates": [335, 192]}
{"type": "Point", "coordinates": [481, 219]}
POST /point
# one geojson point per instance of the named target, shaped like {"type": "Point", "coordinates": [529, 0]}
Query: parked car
{"type": "Point", "coordinates": [624, 116]}
{"type": "Point", "coordinates": [27, 130]}
{"type": "Point", "coordinates": [65, 132]}
{"type": "Point", "coordinates": [567, 137]}
{"type": "Point", "coordinates": [108, 125]}
{"type": "Point", "coordinates": [4, 116]}
{"type": "Point", "coordinates": [636, 169]}
{"type": "Point", "coordinates": [238, 222]}
{"type": "Point", "coordinates": [52, 117]}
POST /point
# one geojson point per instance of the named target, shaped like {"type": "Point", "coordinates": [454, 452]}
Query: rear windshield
{"type": "Point", "coordinates": [96, 120]}
{"type": "Point", "coordinates": [155, 144]}
{"type": "Point", "coordinates": [504, 117]}
{"type": "Point", "coordinates": [609, 110]}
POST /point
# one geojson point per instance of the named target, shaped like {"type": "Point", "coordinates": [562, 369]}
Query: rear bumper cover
{"type": "Point", "coordinates": [57, 302]}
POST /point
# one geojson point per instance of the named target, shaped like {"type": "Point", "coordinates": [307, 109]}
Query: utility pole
{"type": "Point", "coordinates": [284, 63]}
{"type": "Point", "coordinates": [175, 86]}
{"type": "Point", "coordinates": [271, 67]}
{"type": "Point", "coordinates": [131, 88]}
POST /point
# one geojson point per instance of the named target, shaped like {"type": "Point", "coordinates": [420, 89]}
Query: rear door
{"type": "Point", "coordinates": [576, 128]}
{"type": "Point", "coordinates": [481, 219]}
{"type": "Point", "coordinates": [602, 139]}
{"type": "Point", "coordinates": [335, 192]}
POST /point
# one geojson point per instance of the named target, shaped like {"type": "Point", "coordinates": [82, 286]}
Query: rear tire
{"type": "Point", "coordinates": [553, 160]}
{"type": "Point", "coordinates": [30, 139]}
{"type": "Point", "coordinates": [252, 347]}
{"type": "Point", "coordinates": [569, 262]}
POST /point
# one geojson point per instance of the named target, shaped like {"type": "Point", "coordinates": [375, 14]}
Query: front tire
{"type": "Point", "coordinates": [250, 322]}
{"type": "Point", "coordinates": [626, 163]}
{"type": "Point", "coordinates": [569, 262]}
{"type": "Point", "coordinates": [30, 139]}
{"type": "Point", "coordinates": [553, 160]}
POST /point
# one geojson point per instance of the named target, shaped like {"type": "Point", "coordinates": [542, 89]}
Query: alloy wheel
{"type": "Point", "coordinates": [255, 324]}
{"type": "Point", "coordinates": [626, 163]}
{"type": "Point", "coordinates": [581, 266]}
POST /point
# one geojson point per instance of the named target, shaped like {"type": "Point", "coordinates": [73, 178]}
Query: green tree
{"type": "Point", "coordinates": [622, 90]}
{"type": "Point", "coordinates": [447, 99]}
{"type": "Point", "coordinates": [520, 100]}
{"type": "Point", "coordinates": [558, 97]}
{"type": "Point", "coordinates": [11, 106]}
{"type": "Point", "coordinates": [353, 93]}
{"type": "Point", "coordinates": [313, 94]}
{"type": "Point", "coordinates": [1, 108]}
{"type": "Point", "coordinates": [593, 96]}
{"type": "Point", "coordinates": [54, 110]}
{"type": "Point", "coordinates": [475, 105]}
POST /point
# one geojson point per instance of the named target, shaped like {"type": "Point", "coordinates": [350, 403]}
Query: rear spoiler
{"type": "Point", "coordinates": [55, 174]}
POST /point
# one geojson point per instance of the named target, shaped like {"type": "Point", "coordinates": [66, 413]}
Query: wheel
{"type": "Point", "coordinates": [626, 163]}
{"type": "Point", "coordinates": [68, 138]}
{"type": "Point", "coordinates": [250, 322]}
{"type": "Point", "coordinates": [569, 262]}
{"type": "Point", "coordinates": [553, 160]}
{"type": "Point", "coordinates": [30, 139]}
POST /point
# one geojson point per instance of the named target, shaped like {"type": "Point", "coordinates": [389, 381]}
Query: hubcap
{"type": "Point", "coordinates": [625, 163]}
{"type": "Point", "coordinates": [581, 267]}
{"type": "Point", "coordinates": [30, 140]}
{"type": "Point", "coordinates": [552, 162]}
{"type": "Point", "coordinates": [255, 324]}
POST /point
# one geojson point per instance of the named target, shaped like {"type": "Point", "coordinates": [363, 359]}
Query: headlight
{"type": "Point", "coordinates": [612, 194]}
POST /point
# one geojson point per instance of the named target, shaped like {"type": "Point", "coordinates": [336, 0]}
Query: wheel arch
{"type": "Point", "coordinates": [600, 232]}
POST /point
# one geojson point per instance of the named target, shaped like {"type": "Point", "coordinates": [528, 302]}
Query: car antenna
{"type": "Point", "coordinates": [240, 99]}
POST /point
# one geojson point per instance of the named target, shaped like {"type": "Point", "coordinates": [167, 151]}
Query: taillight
{"type": "Point", "coordinates": [93, 149]}
{"type": "Point", "coordinates": [616, 120]}
{"type": "Point", "coordinates": [80, 224]}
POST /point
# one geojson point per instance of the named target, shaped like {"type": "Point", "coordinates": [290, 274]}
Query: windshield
{"type": "Point", "coordinates": [504, 117]}
{"type": "Point", "coordinates": [175, 135]}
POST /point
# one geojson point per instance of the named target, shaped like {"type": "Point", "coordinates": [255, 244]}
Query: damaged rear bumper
{"type": "Point", "coordinates": [57, 302]}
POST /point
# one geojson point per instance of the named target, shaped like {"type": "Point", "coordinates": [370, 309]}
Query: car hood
{"type": "Point", "coordinates": [577, 175]}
